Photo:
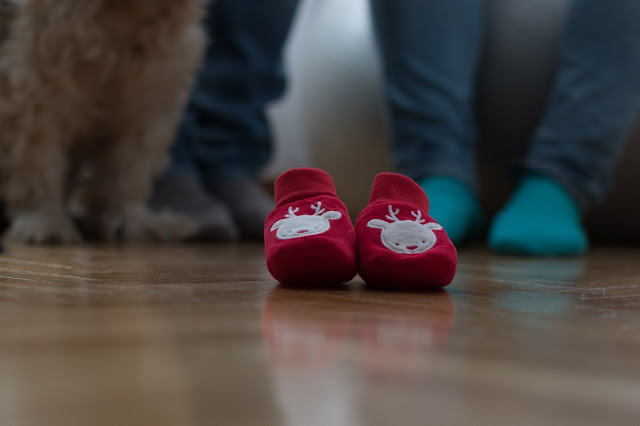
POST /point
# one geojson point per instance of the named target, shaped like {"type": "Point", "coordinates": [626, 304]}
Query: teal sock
{"type": "Point", "coordinates": [540, 219]}
{"type": "Point", "coordinates": [454, 206]}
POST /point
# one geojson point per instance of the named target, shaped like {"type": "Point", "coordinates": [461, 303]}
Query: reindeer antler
{"type": "Point", "coordinates": [318, 208]}
{"type": "Point", "coordinates": [418, 215]}
{"type": "Point", "coordinates": [292, 212]}
{"type": "Point", "coordinates": [393, 214]}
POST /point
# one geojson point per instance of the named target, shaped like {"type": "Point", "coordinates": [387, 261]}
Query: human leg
{"type": "Point", "coordinates": [225, 138]}
{"type": "Point", "coordinates": [573, 153]}
{"type": "Point", "coordinates": [429, 54]}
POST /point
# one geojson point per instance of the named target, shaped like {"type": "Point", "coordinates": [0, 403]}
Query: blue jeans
{"type": "Point", "coordinates": [225, 134]}
{"type": "Point", "coordinates": [430, 52]}
{"type": "Point", "coordinates": [595, 99]}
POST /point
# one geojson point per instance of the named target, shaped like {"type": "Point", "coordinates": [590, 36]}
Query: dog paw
{"type": "Point", "coordinates": [42, 228]}
{"type": "Point", "coordinates": [142, 226]}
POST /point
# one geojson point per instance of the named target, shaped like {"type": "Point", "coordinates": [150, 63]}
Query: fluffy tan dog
{"type": "Point", "coordinates": [93, 85]}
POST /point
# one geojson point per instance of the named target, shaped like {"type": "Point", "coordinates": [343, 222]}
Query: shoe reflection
{"type": "Point", "coordinates": [542, 286]}
{"type": "Point", "coordinates": [324, 346]}
{"type": "Point", "coordinates": [308, 326]}
{"type": "Point", "coordinates": [536, 271]}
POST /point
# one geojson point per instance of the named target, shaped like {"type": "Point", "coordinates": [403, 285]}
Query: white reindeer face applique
{"type": "Point", "coordinates": [406, 236]}
{"type": "Point", "coordinates": [305, 225]}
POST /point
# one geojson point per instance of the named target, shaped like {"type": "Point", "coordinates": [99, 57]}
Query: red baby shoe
{"type": "Point", "coordinates": [309, 237]}
{"type": "Point", "coordinates": [399, 245]}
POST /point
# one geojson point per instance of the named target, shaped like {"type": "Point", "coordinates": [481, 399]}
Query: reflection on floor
{"type": "Point", "coordinates": [203, 335]}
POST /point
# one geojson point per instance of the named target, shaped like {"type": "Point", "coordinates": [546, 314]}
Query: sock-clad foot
{"type": "Point", "coordinates": [249, 204]}
{"type": "Point", "coordinates": [309, 237]}
{"type": "Point", "coordinates": [183, 194]}
{"type": "Point", "coordinates": [455, 206]}
{"type": "Point", "coordinates": [399, 245]}
{"type": "Point", "coordinates": [540, 219]}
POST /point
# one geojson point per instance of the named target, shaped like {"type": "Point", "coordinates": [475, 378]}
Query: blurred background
{"type": "Point", "coordinates": [332, 116]}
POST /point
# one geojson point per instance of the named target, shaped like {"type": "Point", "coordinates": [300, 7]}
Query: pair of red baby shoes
{"type": "Point", "coordinates": [310, 240]}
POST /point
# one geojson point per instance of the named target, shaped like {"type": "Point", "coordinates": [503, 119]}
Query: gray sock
{"type": "Point", "coordinates": [183, 194]}
{"type": "Point", "coordinates": [249, 204]}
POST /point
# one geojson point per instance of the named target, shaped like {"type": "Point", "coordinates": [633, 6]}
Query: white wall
{"type": "Point", "coordinates": [331, 117]}
{"type": "Point", "coordinates": [334, 81]}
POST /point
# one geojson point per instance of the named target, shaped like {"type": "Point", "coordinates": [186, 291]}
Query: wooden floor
{"type": "Point", "coordinates": [204, 336]}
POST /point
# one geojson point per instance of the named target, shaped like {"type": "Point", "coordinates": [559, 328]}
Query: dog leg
{"type": "Point", "coordinates": [42, 227]}
{"type": "Point", "coordinates": [123, 183]}
{"type": "Point", "coordinates": [35, 168]}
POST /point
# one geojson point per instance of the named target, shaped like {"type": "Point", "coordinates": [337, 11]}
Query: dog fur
{"type": "Point", "coordinates": [94, 85]}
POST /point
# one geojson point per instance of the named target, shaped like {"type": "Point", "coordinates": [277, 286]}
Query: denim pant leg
{"type": "Point", "coordinates": [430, 51]}
{"type": "Point", "coordinates": [595, 99]}
{"type": "Point", "coordinates": [225, 134]}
